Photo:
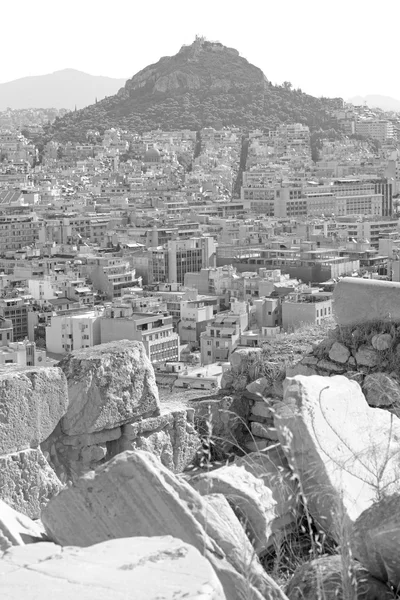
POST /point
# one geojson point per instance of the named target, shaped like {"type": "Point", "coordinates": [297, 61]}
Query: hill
{"type": "Point", "coordinates": [63, 89]}
{"type": "Point", "coordinates": [204, 84]}
{"type": "Point", "coordinates": [376, 101]}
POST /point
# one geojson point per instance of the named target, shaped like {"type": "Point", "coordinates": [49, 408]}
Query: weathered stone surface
{"type": "Point", "coordinates": [224, 527]}
{"type": "Point", "coordinates": [108, 385]}
{"type": "Point", "coordinates": [242, 358]}
{"type": "Point", "coordinates": [331, 367]}
{"type": "Point", "coordinates": [366, 357]}
{"type": "Point", "coordinates": [381, 390]}
{"type": "Point", "coordinates": [259, 387]}
{"type": "Point", "coordinates": [90, 439]}
{"type": "Point", "coordinates": [170, 436]}
{"type": "Point", "coordinates": [256, 444]}
{"type": "Point", "coordinates": [339, 353]}
{"type": "Point", "coordinates": [382, 341]}
{"type": "Point", "coordinates": [310, 361]}
{"type": "Point", "coordinates": [253, 501]}
{"type": "Point", "coordinates": [272, 467]}
{"type": "Point", "coordinates": [17, 529]}
{"type": "Point", "coordinates": [135, 495]}
{"type": "Point", "coordinates": [263, 408]}
{"type": "Point", "coordinates": [140, 568]}
{"type": "Point", "coordinates": [263, 431]}
{"type": "Point", "coordinates": [300, 369]}
{"type": "Point", "coordinates": [323, 578]}
{"type": "Point", "coordinates": [344, 452]}
{"type": "Point", "coordinates": [357, 300]}
{"type": "Point", "coordinates": [375, 539]}
{"type": "Point", "coordinates": [32, 401]}
{"type": "Point", "coordinates": [27, 482]}
{"type": "Point", "coordinates": [228, 416]}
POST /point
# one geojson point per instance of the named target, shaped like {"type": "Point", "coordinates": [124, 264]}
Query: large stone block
{"type": "Point", "coordinates": [375, 539]}
{"type": "Point", "coordinates": [344, 452]}
{"type": "Point", "coordinates": [357, 300]}
{"type": "Point", "coordinates": [32, 401]}
{"type": "Point", "coordinates": [108, 385]}
{"type": "Point", "coordinates": [135, 495]}
{"type": "Point", "coordinates": [17, 529]}
{"type": "Point", "coordinates": [140, 568]}
{"type": "Point", "coordinates": [27, 482]}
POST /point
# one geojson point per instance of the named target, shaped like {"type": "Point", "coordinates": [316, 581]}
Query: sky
{"type": "Point", "coordinates": [342, 48]}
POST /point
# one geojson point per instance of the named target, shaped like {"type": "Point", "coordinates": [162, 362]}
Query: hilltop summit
{"type": "Point", "coordinates": [204, 84]}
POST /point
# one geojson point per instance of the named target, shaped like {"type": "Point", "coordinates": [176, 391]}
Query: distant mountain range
{"type": "Point", "coordinates": [376, 101]}
{"type": "Point", "coordinates": [205, 84]}
{"type": "Point", "coordinates": [63, 89]}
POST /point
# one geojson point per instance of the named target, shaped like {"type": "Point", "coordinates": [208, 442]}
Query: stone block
{"type": "Point", "coordinates": [359, 301]}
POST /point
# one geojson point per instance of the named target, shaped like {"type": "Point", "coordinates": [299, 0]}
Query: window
{"type": "Point", "coordinates": [209, 353]}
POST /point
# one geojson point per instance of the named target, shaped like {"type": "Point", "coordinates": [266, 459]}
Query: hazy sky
{"type": "Point", "coordinates": [336, 48]}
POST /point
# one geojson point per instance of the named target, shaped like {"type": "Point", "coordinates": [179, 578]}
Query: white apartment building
{"type": "Point", "coordinates": [73, 330]}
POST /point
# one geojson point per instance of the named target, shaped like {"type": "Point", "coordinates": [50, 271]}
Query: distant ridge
{"type": "Point", "coordinates": [205, 84]}
{"type": "Point", "coordinates": [376, 101]}
{"type": "Point", "coordinates": [62, 89]}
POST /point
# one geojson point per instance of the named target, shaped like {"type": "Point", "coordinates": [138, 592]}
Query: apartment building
{"type": "Point", "coordinates": [299, 309]}
{"type": "Point", "coordinates": [154, 330]}
{"type": "Point", "coordinates": [178, 257]}
{"type": "Point", "coordinates": [222, 335]}
{"type": "Point", "coordinates": [73, 329]}
{"type": "Point", "coordinates": [17, 231]}
{"type": "Point", "coordinates": [16, 311]}
{"type": "Point", "coordinates": [195, 315]}
{"type": "Point", "coordinates": [111, 275]}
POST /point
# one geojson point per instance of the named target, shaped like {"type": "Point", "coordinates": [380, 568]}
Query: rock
{"type": "Point", "coordinates": [32, 401]}
{"type": "Point", "coordinates": [299, 369]}
{"type": "Point", "coordinates": [359, 301]}
{"type": "Point", "coordinates": [134, 495]}
{"type": "Point", "coordinates": [310, 361]}
{"type": "Point", "coordinates": [253, 501]}
{"type": "Point", "coordinates": [108, 385]}
{"type": "Point", "coordinates": [256, 444]}
{"type": "Point", "coordinates": [381, 390]}
{"type": "Point", "coordinates": [260, 387]}
{"type": "Point", "coordinates": [263, 408]}
{"type": "Point", "coordinates": [366, 357]}
{"type": "Point", "coordinates": [339, 353]}
{"type": "Point", "coordinates": [139, 568]}
{"type": "Point", "coordinates": [90, 439]}
{"type": "Point", "coordinates": [323, 578]}
{"type": "Point", "coordinates": [336, 443]}
{"type": "Point", "coordinates": [375, 539]}
{"type": "Point", "coordinates": [382, 341]}
{"type": "Point", "coordinates": [272, 467]}
{"type": "Point", "coordinates": [242, 359]}
{"type": "Point", "coordinates": [331, 367]}
{"type": "Point", "coordinates": [228, 417]}
{"type": "Point", "coordinates": [263, 431]}
{"type": "Point", "coordinates": [355, 376]}
{"type": "Point", "coordinates": [27, 482]}
{"type": "Point", "coordinates": [234, 542]}
{"type": "Point", "coordinates": [17, 529]}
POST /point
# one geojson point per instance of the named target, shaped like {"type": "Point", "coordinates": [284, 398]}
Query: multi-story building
{"type": "Point", "coordinates": [299, 309]}
{"type": "Point", "coordinates": [154, 330]}
{"type": "Point", "coordinates": [177, 257]}
{"type": "Point", "coordinates": [222, 335]}
{"type": "Point", "coordinates": [112, 276]}
{"type": "Point", "coordinates": [195, 315]}
{"type": "Point", "coordinates": [16, 311]}
{"type": "Point", "coordinates": [17, 231]}
{"type": "Point", "coordinates": [73, 329]}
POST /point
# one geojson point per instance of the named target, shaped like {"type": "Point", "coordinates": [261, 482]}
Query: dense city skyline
{"type": "Point", "coordinates": [326, 53]}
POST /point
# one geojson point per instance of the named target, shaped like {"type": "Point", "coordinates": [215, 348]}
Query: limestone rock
{"type": "Point", "coordinates": [263, 431]}
{"type": "Point", "coordinates": [339, 353]}
{"type": "Point", "coordinates": [27, 482]}
{"type": "Point", "coordinates": [381, 390]}
{"type": "Point", "coordinates": [382, 341]}
{"type": "Point", "coordinates": [366, 357]}
{"type": "Point", "coordinates": [17, 529]}
{"type": "Point", "coordinates": [139, 568]}
{"type": "Point", "coordinates": [256, 444]}
{"type": "Point", "coordinates": [357, 300]}
{"type": "Point", "coordinates": [32, 401]}
{"type": "Point", "coordinates": [242, 358]}
{"type": "Point", "coordinates": [263, 408]}
{"type": "Point", "coordinates": [253, 501]}
{"type": "Point", "coordinates": [300, 369]}
{"type": "Point", "coordinates": [228, 416]}
{"type": "Point", "coordinates": [330, 367]}
{"type": "Point", "coordinates": [323, 578]}
{"type": "Point", "coordinates": [135, 495]}
{"type": "Point", "coordinates": [170, 436]}
{"type": "Point", "coordinates": [260, 387]}
{"type": "Point", "coordinates": [375, 539]}
{"type": "Point", "coordinates": [273, 469]}
{"type": "Point", "coordinates": [108, 385]}
{"type": "Point", "coordinates": [337, 444]}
